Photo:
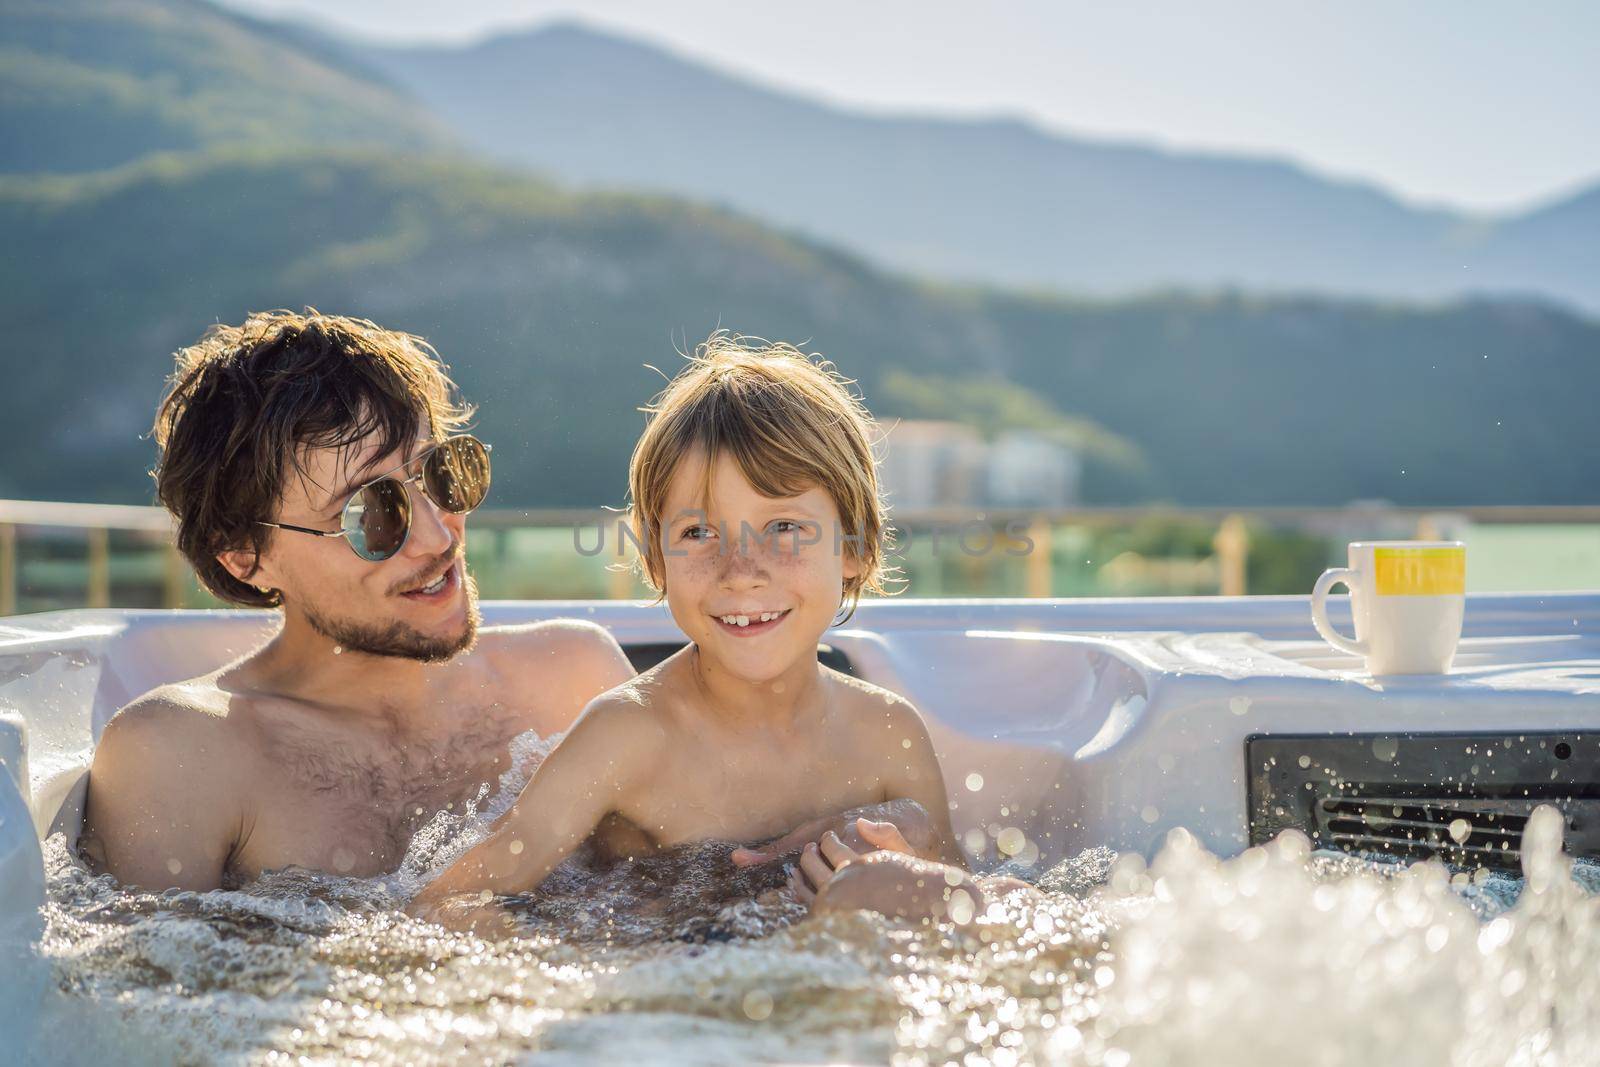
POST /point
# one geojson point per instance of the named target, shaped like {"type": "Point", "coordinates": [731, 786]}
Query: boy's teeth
{"type": "Point", "coordinates": [745, 620]}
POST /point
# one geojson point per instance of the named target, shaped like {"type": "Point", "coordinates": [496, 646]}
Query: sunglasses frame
{"type": "Point", "coordinates": [389, 475]}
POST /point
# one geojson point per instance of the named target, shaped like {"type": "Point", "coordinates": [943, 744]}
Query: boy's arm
{"type": "Point", "coordinates": [583, 780]}
{"type": "Point", "coordinates": [913, 772]}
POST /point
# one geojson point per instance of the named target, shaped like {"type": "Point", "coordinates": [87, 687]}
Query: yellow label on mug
{"type": "Point", "coordinates": [1420, 571]}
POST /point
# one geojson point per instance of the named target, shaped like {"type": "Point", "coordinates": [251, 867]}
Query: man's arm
{"type": "Point", "coordinates": [587, 777]}
{"type": "Point", "coordinates": [154, 816]}
{"type": "Point", "coordinates": [569, 662]}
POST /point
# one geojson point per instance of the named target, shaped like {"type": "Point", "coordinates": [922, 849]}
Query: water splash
{"type": "Point", "coordinates": [1273, 958]}
{"type": "Point", "coordinates": [1277, 956]}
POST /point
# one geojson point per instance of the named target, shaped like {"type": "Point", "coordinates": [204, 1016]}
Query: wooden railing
{"type": "Point", "coordinates": [95, 523]}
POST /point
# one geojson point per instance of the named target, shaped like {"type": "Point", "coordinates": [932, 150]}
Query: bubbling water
{"type": "Point", "coordinates": [1276, 956]}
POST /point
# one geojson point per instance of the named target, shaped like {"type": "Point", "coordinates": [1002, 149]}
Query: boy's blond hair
{"type": "Point", "coordinates": [788, 421]}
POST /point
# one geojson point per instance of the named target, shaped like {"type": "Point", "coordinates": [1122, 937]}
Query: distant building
{"type": "Point", "coordinates": [1029, 470]}
{"type": "Point", "coordinates": [927, 465]}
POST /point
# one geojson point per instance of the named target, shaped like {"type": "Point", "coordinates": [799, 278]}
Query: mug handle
{"type": "Point", "coordinates": [1319, 609]}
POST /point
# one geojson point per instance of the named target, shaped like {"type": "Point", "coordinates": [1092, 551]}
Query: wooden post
{"type": "Point", "coordinates": [8, 569]}
{"type": "Point", "coordinates": [619, 572]}
{"type": "Point", "coordinates": [1232, 545]}
{"type": "Point", "coordinates": [1041, 559]}
{"type": "Point", "coordinates": [172, 584]}
{"type": "Point", "coordinates": [99, 567]}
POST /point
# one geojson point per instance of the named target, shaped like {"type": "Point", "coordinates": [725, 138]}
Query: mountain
{"type": "Point", "coordinates": [550, 303]}
{"type": "Point", "coordinates": [86, 84]}
{"type": "Point", "coordinates": [1000, 202]}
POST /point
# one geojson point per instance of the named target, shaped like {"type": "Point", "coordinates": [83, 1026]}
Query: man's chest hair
{"type": "Point", "coordinates": [386, 769]}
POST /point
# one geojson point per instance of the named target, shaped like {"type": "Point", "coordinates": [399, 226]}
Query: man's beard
{"type": "Point", "coordinates": [399, 640]}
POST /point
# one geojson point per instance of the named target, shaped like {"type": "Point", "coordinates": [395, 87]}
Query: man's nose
{"type": "Point", "coordinates": [431, 526]}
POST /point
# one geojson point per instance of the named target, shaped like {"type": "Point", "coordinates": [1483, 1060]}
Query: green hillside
{"type": "Point", "coordinates": [548, 303]}
{"type": "Point", "coordinates": [86, 84]}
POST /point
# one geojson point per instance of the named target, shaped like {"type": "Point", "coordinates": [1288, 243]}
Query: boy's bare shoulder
{"type": "Point", "coordinates": [871, 705]}
{"type": "Point", "coordinates": [631, 714]}
{"type": "Point", "coordinates": [862, 692]}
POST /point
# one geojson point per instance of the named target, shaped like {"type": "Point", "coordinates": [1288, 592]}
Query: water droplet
{"type": "Point", "coordinates": [905, 742]}
{"type": "Point", "coordinates": [960, 907]}
{"type": "Point", "coordinates": [758, 1005]}
{"type": "Point", "coordinates": [1239, 705]}
{"type": "Point", "coordinates": [175, 865]}
{"type": "Point", "coordinates": [974, 781]}
{"type": "Point", "coordinates": [516, 848]}
{"type": "Point", "coordinates": [343, 860]}
{"type": "Point", "coordinates": [1150, 813]}
{"type": "Point", "coordinates": [1460, 830]}
{"type": "Point", "coordinates": [1011, 841]}
{"type": "Point", "coordinates": [338, 650]}
{"type": "Point", "coordinates": [1386, 748]}
{"type": "Point", "coordinates": [486, 896]}
{"type": "Point", "coordinates": [1304, 761]}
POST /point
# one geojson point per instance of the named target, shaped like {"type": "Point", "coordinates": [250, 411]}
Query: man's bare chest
{"type": "Point", "coordinates": [349, 802]}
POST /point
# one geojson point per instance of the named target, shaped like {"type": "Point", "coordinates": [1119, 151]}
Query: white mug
{"type": "Point", "coordinates": [1407, 599]}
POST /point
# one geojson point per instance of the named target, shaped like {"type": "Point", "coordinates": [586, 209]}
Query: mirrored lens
{"type": "Point", "coordinates": [456, 474]}
{"type": "Point", "coordinates": [377, 519]}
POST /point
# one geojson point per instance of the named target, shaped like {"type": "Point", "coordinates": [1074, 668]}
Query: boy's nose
{"type": "Point", "coordinates": [742, 567]}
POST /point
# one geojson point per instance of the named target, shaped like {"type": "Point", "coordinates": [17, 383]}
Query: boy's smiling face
{"type": "Point", "coordinates": [753, 580]}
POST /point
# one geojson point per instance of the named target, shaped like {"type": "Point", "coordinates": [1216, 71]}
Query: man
{"type": "Point", "coordinates": [301, 457]}
{"type": "Point", "coordinates": [314, 464]}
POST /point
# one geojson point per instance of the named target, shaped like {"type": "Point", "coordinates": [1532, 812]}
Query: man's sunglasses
{"type": "Point", "coordinates": [377, 519]}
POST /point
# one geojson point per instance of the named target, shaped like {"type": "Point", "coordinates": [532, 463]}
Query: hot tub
{"type": "Point", "coordinates": [1070, 723]}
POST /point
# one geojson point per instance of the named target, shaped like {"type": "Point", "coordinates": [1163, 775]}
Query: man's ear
{"type": "Point", "coordinates": [245, 565]}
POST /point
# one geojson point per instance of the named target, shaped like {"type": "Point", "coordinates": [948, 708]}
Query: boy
{"type": "Point", "coordinates": [756, 502]}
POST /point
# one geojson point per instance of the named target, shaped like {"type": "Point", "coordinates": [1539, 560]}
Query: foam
{"type": "Point", "coordinates": [1276, 956]}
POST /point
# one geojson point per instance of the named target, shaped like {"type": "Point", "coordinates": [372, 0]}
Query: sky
{"type": "Point", "coordinates": [1483, 106]}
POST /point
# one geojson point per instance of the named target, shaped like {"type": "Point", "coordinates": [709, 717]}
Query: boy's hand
{"type": "Point", "coordinates": [909, 821]}
{"type": "Point", "coordinates": [821, 860]}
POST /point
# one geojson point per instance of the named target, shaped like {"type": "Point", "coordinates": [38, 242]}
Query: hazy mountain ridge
{"type": "Point", "coordinates": [550, 303]}
{"type": "Point", "coordinates": [86, 84]}
{"type": "Point", "coordinates": [997, 201]}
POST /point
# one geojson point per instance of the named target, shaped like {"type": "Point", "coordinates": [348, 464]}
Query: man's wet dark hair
{"type": "Point", "coordinates": [246, 403]}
